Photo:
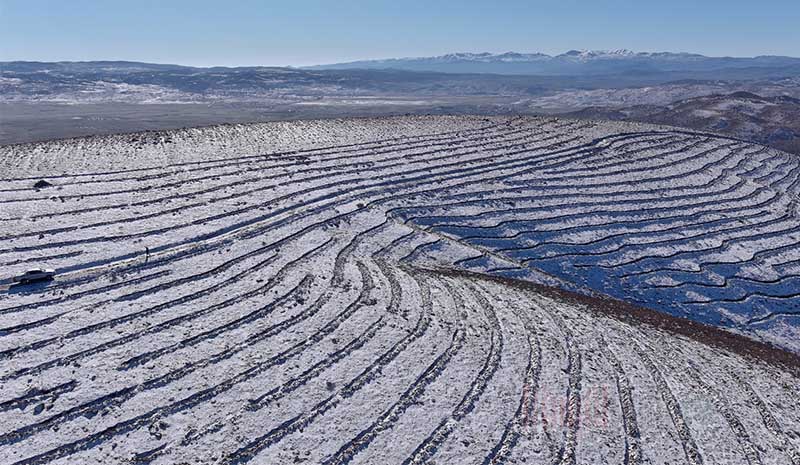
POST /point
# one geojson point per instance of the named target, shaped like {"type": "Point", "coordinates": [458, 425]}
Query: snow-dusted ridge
{"type": "Point", "coordinates": [574, 63]}
{"type": "Point", "coordinates": [388, 291]}
{"type": "Point", "coordinates": [583, 55]}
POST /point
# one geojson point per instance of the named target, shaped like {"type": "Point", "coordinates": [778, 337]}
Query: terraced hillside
{"type": "Point", "coordinates": [338, 292]}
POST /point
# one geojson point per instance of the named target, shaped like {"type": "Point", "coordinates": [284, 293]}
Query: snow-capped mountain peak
{"type": "Point", "coordinates": [595, 54]}
{"type": "Point", "coordinates": [482, 57]}
{"type": "Point", "coordinates": [573, 62]}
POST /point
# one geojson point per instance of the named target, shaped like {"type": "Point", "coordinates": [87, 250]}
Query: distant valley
{"type": "Point", "coordinates": [750, 98]}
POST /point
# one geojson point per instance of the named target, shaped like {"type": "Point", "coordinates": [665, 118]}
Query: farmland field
{"type": "Point", "coordinates": [401, 290]}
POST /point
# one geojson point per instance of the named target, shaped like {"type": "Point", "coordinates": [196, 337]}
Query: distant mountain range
{"type": "Point", "coordinates": [572, 63]}
{"type": "Point", "coordinates": [133, 82]}
{"type": "Point", "coordinates": [454, 75]}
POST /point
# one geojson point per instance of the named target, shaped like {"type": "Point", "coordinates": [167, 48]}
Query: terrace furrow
{"type": "Point", "coordinates": [428, 447]}
{"type": "Point", "coordinates": [348, 451]}
{"type": "Point", "coordinates": [289, 293]}
{"type": "Point", "coordinates": [251, 449]}
{"type": "Point", "coordinates": [191, 401]}
{"type": "Point", "coordinates": [370, 188]}
{"type": "Point", "coordinates": [722, 405]}
{"type": "Point", "coordinates": [633, 449]}
{"type": "Point", "coordinates": [693, 456]}
{"type": "Point", "coordinates": [289, 179]}
{"type": "Point", "coordinates": [301, 154]}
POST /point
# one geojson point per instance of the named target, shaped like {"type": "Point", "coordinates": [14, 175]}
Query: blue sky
{"type": "Point", "coordinates": [302, 32]}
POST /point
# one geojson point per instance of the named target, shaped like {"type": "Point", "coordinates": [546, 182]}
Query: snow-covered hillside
{"type": "Point", "coordinates": [402, 290]}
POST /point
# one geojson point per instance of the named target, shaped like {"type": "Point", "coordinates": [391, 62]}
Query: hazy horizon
{"type": "Point", "coordinates": [385, 58]}
{"type": "Point", "coordinates": [312, 32]}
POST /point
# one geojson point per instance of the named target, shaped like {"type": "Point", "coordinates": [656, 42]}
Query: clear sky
{"type": "Point", "coordinates": [303, 32]}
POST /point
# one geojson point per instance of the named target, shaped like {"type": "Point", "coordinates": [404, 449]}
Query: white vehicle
{"type": "Point", "coordinates": [36, 274]}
